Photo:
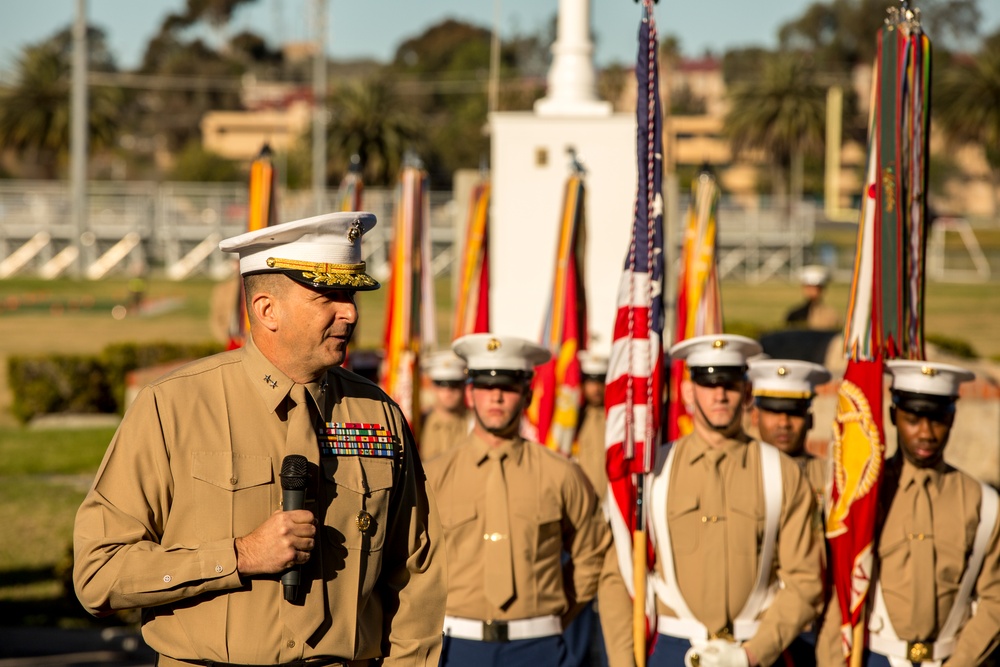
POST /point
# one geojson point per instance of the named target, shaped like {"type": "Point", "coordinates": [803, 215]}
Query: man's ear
{"type": "Point", "coordinates": [468, 394]}
{"type": "Point", "coordinates": [755, 416]}
{"type": "Point", "coordinates": [265, 309]}
{"type": "Point", "coordinates": [687, 394]}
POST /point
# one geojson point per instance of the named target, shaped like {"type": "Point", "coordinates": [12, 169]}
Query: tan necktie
{"type": "Point", "coordinates": [714, 549]}
{"type": "Point", "coordinates": [305, 615]}
{"type": "Point", "coordinates": [922, 550]}
{"type": "Point", "coordinates": [499, 574]}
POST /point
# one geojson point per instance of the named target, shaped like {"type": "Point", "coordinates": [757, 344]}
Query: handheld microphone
{"type": "Point", "coordinates": [294, 478]}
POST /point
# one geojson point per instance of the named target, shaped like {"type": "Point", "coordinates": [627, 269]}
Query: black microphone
{"type": "Point", "coordinates": [294, 478]}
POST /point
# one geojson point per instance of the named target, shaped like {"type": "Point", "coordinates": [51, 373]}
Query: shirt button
{"type": "Point", "coordinates": [167, 578]}
{"type": "Point", "coordinates": [233, 480]}
{"type": "Point", "coordinates": [218, 568]}
{"type": "Point", "coordinates": [291, 643]}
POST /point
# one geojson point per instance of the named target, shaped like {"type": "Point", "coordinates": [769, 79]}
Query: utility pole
{"type": "Point", "coordinates": [78, 138]}
{"type": "Point", "coordinates": [319, 108]}
{"type": "Point", "coordinates": [494, 88]}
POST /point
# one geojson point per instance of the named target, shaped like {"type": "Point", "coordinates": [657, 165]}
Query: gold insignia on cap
{"type": "Point", "coordinates": [334, 275]}
{"type": "Point", "coordinates": [493, 345]}
{"type": "Point", "coordinates": [718, 344]}
{"type": "Point", "coordinates": [927, 370]}
{"type": "Point", "coordinates": [363, 521]}
{"type": "Point", "coordinates": [782, 371]}
{"type": "Point", "coordinates": [355, 232]}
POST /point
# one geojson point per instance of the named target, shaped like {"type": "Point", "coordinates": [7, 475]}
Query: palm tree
{"type": "Point", "coordinates": [967, 105]}
{"type": "Point", "coordinates": [367, 120]}
{"type": "Point", "coordinates": [781, 113]}
{"type": "Point", "coordinates": [35, 111]}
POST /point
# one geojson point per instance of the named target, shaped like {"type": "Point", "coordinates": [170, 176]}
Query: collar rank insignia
{"type": "Point", "coordinates": [269, 381]}
{"type": "Point", "coordinates": [357, 439]}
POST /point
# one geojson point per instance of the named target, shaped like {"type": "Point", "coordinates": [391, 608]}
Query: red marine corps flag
{"type": "Point", "coordinates": [885, 314]}
{"type": "Point", "coordinates": [634, 396]}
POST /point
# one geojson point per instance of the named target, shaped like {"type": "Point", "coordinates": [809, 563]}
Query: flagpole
{"type": "Point", "coordinates": [639, 568]}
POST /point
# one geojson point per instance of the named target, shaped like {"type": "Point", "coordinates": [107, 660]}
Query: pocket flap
{"type": "Point", "coordinates": [682, 504]}
{"type": "Point", "coordinates": [359, 474]}
{"type": "Point", "coordinates": [231, 471]}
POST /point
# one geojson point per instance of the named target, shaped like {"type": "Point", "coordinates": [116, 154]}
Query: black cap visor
{"type": "Point", "coordinates": [498, 378]}
{"type": "Point", "coordinates": [929, 405]}
{"type": "Point", "coordinates": [789, 406]}
{"type": "Point", "coordinates": [717, 376]}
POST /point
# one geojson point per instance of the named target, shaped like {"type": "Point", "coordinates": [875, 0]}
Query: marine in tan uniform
{"type": "Point", "coordinates": [737, 574]}
{"type": "Point", "coordinates": [590, 436]}
{"type": "Point", "coordinates": [524, 534]}
{"type": "Point", "coordinates": [448, 421]}
{"type": "Point", "coordinates": [185, 519]}
{"type": "Point", "coordinates": [814, 313]}
{"type": "Point", "coordinates": [783, 390]}
{"type": "Point", "coordinates": [937, 596]}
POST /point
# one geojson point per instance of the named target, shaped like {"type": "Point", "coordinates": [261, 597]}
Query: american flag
{"type": "Point", "coordinates": [634, 396]}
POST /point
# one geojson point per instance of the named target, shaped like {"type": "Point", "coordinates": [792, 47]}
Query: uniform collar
{"type": "Point", "coordinates": [731, 447]}
{"type": "Point", "coordinates": [513, 448]}
{"type": "Point", "coordinates": [272, 385]}
{"type": "Point", "coordinates": [908, 474]}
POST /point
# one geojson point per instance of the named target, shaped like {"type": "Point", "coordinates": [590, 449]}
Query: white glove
{"type": "Point", "coordinates": [717, 653]}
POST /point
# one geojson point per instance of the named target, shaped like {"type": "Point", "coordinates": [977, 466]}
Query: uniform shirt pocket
{"type": "Point", "coordinates": [684, 518]}
{"type": "Point", "coordinates": [542, 530]}
{"type": "Point", "coordinates": [747, 526]}
{"type": "Point", "coordinates": [358, 492]}
{"type": "Point", "coordinates": [236, 489]}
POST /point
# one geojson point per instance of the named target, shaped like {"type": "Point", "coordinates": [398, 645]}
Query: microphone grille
{"type": "Point", "coordinates": [294, 472]}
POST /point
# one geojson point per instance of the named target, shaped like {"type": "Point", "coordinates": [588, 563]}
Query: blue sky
{"type": "Point", "coordinates": [375, 27]}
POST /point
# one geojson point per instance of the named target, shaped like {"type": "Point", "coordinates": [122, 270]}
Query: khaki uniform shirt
{"type": "Point", "coordinates": [955, 499]}
{"type": "Point", "coordinates": [196, 463]}
{"type": "Point", "coordinates": [716, 571]}
{"type": "Point", "coordinates": [441, 431]}
{"type": "Point", "coordinates": [591, 455]}
{"type": "Point", "coordinates": [552, 509]}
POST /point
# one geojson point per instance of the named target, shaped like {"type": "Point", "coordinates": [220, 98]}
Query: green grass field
{"type": "Point", "coordinates": [44, 474]}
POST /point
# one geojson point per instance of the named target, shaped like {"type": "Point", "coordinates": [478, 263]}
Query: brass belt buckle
{"type": "Point", "coordinates": [918, 652]}
{"type": "Point", "coordinates": [724, 633]}
{"type": "Point", "coordinates": [495, 631]}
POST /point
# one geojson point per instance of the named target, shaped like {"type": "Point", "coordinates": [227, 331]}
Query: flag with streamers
{"type": "Point", "coordinates": [352, 186]}
{"type": "Point", "coordinates": [885, 312]}
{"type": "Point", "coordinates": [409, 322]}
{"type": "Point", "coordinates": [699, 299]}
{"type": "Point", "coordinates": [472, 312]}
{"type": "Point", "coordinates": [634, 393]}
{"type": "Point", "coordinates": [556, 386]}
{"type": "Point", "coordinates": [261, 212]}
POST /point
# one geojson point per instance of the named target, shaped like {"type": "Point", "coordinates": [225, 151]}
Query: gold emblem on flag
{"type": "Point", "coordinates": [856, 456]}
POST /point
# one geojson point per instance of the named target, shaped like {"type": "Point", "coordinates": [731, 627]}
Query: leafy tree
{"type": "Point", "coordinates": [35, 111]}
{"type": "Point", "coordinates": [967, 104]}
{"type": "Point", "coordinates": [197, 165]}
{"type": "Point", "coordinates": [782, 113]}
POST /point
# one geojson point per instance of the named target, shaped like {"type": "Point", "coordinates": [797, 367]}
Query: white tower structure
{"type": "Point", "coordinates": [530, 162]}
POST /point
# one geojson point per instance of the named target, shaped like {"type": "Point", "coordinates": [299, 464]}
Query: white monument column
{"type": "Point", "coordinates": [572, 82]}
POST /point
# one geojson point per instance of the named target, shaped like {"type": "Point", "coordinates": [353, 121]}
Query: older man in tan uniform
{"type": "Point", "coordinates": [448, 421]}
{"type": "Point", "coordinates": [185, 517]}
{"type": "Point", "coordinates": [936, 599]}
{"type": "Point", "coordinates": [737, 560]}
{"type": "Point", "coordinates": [511, 510]}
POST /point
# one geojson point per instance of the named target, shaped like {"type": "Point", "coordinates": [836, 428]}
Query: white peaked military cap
{"type": "Point", "coordinates": [786, 378]}
{"type": "Point", "coordinates": [591, 364]}
{"type": "Point", "coordinates": [815, 275]}
{"type": "Point", "coordinates": [928, 378]}
{"type": "Point", "coordinates": [322, 251]}
{"type": "Point", "coordinates": [715, 350]}
{"type": "Point", "coordinates": [445, 366]}
{"type": "Point", "coordinates": [499, 359]}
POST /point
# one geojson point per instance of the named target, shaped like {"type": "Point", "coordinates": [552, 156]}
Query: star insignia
{"type": "Point", "coordinates": [273, 383]}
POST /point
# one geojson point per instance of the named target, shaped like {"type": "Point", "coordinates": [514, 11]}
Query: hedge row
{"type": "Point", "coordinates": [56, 383]}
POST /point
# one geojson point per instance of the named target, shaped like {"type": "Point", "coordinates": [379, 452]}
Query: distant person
{"type": "Point", "coordinates": [448, 421]}
{"type": "Point", "coordinates": [783, 391]}
{"type": "Point", "coordinates": [185, 519]}
{"type": "Point", "coordinates": [936, 594]}
{"type": "Point", "coordinates": [525, 536]}
{"type": "Point", "coordinates": [591, 454]}
{"type": "Point", "coordinates": [814, 313]}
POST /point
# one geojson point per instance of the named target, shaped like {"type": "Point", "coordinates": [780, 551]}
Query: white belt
{"type": "Point", "coordinates": [911, 651]}
{"type": "Point", "coordinates": [695, 631]}
{"type": "Point", "coordinates": [502, 631]}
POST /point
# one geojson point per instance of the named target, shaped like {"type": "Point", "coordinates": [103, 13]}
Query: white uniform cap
{"type": "Point", "coordinates": [592, 364]}
{"type": "Point", "coordinates": [715, 350]}
{"type": "Point", "coordinates": [786, 378]}
{"type": "Point", "coordinates": [322, 251]}
{"type": "Point", "coordinates": [445, 366]}
{"type": "Point", "coordinates": [925, 377]}
{"type": "Point", "coordinates": [815, 275]}
{"type": "Point", "coordinates": [491, 355]}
